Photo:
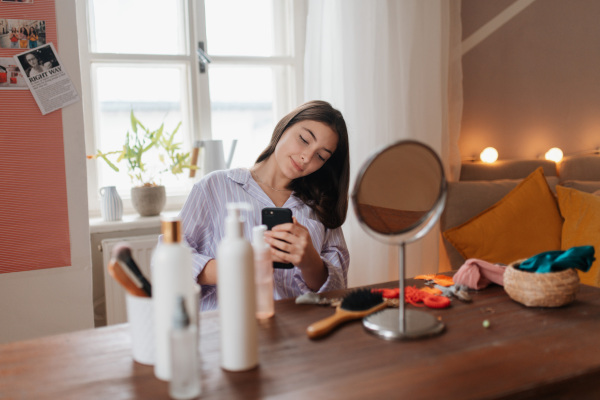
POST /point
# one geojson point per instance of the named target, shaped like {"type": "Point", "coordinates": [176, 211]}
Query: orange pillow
{"type": "Point", "coordinates": [524, 223]}
{"type": "Point", "coordinates": [581, 212]}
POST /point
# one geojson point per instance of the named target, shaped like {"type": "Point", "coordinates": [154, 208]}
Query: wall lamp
{"type": "Point", "coordinates": [489, 155]}
{"type": "Point", "coordinates": [554, 154]}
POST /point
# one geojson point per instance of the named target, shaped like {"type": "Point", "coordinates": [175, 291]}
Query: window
{"type": "Point", "coordinates": [141, 55]}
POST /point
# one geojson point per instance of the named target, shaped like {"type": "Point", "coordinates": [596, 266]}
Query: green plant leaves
{"type": "Point", "coordinates": [103, 156]}
{"type": "Point", "coordinates": [138, 142]}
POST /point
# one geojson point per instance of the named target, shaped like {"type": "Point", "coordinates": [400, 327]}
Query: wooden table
{"type": "Point", "coordinates": [525, 353]}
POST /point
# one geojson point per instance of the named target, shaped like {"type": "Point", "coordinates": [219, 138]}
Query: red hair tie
{"type": "Point", "coordinates": [436, 301]}
{"type": "Point", "coordinates": [415, 296]}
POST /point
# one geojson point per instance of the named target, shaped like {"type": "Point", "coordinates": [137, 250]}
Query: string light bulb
{"type": "Point", "coordinates": [554, 154]}
{"type": "Point", "coordinates": [489, 155]}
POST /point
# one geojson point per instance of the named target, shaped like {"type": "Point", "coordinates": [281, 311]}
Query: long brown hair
{"type": "Point", "coordinates": [326, 189]}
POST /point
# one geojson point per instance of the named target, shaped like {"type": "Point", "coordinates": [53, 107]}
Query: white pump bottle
{"type": "Point", "coordinates": [171, 277]}
{"type": "Point", "coordinates": [236, 295]}
{"type": "Point", "coordinates": [263, 272]}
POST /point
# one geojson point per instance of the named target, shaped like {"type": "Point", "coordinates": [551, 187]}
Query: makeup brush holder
{"type": "Point", "coordinates": [140, 314]}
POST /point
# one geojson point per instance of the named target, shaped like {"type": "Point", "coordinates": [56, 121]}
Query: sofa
{"type": "Point", "coordinates": [513, 209]}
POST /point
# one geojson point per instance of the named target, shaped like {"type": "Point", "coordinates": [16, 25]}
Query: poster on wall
{"type": "Point", "coordinates": [22, 33]}
{"type": "Point", "coordinates": [47, 79]}
{"type": "Point", "coordinates": [10, 75]}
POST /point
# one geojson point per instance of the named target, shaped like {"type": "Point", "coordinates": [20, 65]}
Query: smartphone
{"type": "Point", "coordinates": [272, 216]}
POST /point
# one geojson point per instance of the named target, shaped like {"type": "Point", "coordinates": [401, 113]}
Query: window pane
{"type": "Point", "coordinates": [245, 28]}
{"type": "Point", "coordinates": [156, 94]}
{"type": "Point", "coordinates": [138, 26]}
{"type": "Point", "coordinates": [242, 101]}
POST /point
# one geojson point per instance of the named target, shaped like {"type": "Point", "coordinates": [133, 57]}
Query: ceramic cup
{"type": "Point", "coordinates": [140, 314]}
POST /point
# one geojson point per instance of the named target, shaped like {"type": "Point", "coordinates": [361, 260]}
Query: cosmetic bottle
{"type": "Point", "coordinates": [171, 277]}
{"type": "Point", "coordinates": [236, 295]}
{"type": "Point", "coordinates": [185, 377]}
{"type": "Point", "coordinates": [263, 273]}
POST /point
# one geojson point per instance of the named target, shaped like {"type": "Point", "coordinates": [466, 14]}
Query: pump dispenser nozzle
{"type": "Point", "coordinates": [234, 222]}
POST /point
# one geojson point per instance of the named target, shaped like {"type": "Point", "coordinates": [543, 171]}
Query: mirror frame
{"type": "Point", "coordinates": [421, 226]}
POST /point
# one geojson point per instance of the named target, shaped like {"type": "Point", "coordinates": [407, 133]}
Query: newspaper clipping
{"type": "Point", "coordinates": [46, 78]}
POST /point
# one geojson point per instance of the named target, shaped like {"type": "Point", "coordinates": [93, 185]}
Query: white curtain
{"type": "Point", "coordinates": [393, 69]}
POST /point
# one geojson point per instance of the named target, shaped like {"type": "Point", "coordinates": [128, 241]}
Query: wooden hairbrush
{"type": "Point", "coordinates": [357, 304]}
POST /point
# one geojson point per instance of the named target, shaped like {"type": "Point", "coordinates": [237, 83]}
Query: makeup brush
{"type": "Point", "coordinates": [355, 305]}
{"type": "Point", "coordinates": [124, 270]}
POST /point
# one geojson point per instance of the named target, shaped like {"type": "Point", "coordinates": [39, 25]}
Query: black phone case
{"type": "Point", "coordinates": [272, 216]}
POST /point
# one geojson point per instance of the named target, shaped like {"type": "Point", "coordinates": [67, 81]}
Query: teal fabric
{"type": "Point", "coordinates": [580, 257]}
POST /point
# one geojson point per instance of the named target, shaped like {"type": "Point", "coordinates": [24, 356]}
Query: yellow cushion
{"type": "Point", "coordinates": [581, 212]}
{"type": "Point", "coordinates": [524, 223]}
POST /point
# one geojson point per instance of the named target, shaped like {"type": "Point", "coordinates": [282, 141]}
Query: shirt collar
{"type": "Point", "coordinates": [239, 175]}
{"type": "Point", "coordinates": [242, 177]}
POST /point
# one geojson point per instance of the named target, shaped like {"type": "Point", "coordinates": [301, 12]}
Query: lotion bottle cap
{"type": "Point", "coordinates": [171, 230]}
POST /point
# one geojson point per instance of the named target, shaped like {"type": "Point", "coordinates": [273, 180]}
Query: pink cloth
{"type": "Point", "coordinates": [478, 274]}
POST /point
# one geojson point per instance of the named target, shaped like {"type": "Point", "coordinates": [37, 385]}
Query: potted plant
{"type": "Point", "coordinates": [148, 197]}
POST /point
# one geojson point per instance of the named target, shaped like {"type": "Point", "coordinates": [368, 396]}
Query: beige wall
{"type": "Point", "coordinates": [532, 82]}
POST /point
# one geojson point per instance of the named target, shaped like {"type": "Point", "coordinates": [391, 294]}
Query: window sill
{"type": "Point", "coordinates": [129, 222]}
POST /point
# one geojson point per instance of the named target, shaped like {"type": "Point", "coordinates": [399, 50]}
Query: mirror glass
{"type": "Point", "coordinates": [399, 188]}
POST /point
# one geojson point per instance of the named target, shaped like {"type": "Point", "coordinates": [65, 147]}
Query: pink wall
{"type": "Point", "coordinates": [534, 83]}
{"type": "Point", "coordinates": [34, 220]}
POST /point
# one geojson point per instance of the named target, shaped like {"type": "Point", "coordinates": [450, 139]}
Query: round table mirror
{"type": "Point", "coordinates": [398, 197]}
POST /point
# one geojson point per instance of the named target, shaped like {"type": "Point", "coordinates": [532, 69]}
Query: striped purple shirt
{"type": "Point", "coordinates": [203, 220]}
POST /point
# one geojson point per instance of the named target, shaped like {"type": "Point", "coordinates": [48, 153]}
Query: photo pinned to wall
{"type": "Point", "coordinates": [22, 33]}
{"type": "Point", "coordinates": [10, 75]}
{"type": "Point", "coordinates": [47, 79]}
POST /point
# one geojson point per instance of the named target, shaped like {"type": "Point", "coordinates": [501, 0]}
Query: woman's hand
{"type": "Point", "coordinates": [291, 243]}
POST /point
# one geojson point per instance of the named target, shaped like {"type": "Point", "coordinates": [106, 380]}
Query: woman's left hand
{"type": "Point", "coordinates": [291, 243]}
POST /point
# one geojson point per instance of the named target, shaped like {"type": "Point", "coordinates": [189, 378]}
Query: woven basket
{"type": "Point", "coordinates": [552, 289]}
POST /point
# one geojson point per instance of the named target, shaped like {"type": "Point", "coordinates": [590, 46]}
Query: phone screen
{"type": "Point", "coordinates": [273, 216]}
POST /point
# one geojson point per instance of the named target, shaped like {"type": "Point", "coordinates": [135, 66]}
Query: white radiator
{"type": "Point", "coordinates": [142, 248]}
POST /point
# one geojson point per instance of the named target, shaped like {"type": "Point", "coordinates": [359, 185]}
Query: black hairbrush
{"type": "Point", "coordinates": [357, 304]}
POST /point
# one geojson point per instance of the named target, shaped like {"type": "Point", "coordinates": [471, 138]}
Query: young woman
{"type": "Point", "coordinates": [35, 64]}
{"type": "Point", "coordinates": [14, 39]}
{"type": "Point", "coordinates": [33, 38]}
{"type": "Point", "coordinates": [23, 38]}
{"type": "Point", "coordinates": [305, 168]}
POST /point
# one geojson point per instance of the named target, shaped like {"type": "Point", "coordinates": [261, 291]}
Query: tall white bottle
{"type": "Point", "coordinates": [236, 295]}
{"type": "Point", "coordinates": [171, 277]}
{"type": "Point", "coordinates": [263, 273]}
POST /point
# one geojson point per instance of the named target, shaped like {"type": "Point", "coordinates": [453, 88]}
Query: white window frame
{"type": "Point", "coordinates": [199, 116]}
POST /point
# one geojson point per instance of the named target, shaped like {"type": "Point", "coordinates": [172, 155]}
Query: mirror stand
{"type": "Point", "coordinates": [402, 324]}
{"type": "Point", "coordinates": [399, 195]}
